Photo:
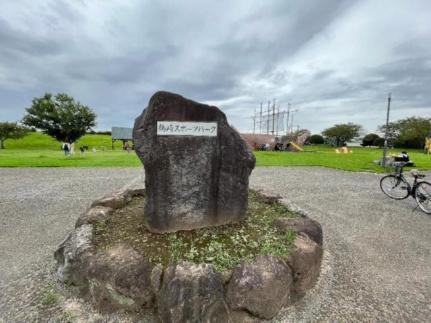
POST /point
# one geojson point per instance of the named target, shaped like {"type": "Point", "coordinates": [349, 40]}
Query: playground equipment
{"type": "Point", "coordinates": [343, 150]}
{"type": "Point", "coordinates": [294, 147]}
{"type": "Point", "coordinates": [428, 145]}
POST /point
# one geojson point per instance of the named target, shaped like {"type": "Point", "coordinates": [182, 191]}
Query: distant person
{"type": "Point", "coordinates": [126, 146]}
{"type": "Point", "coordinates": [66, 148]}
{"type": "Point", "coordinates": [402, 157]}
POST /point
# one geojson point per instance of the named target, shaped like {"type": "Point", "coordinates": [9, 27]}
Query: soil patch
{"type": "Point", "coordinates": [224, 246]}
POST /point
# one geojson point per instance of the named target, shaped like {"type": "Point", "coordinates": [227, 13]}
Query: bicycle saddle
{"type": "Point", "coordinates": [416, 174]}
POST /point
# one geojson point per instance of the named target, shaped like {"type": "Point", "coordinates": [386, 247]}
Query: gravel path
{"type": "Point", "coordinates": [377, 263]}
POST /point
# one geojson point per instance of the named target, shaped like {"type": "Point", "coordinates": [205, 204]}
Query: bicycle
{"type": "Point", "coordinates": [396, 187]}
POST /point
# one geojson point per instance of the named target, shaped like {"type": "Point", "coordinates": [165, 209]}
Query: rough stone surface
{"type": "Point", "coordinates": [156, 278]}
{"type": "Point", "coordinates": [93, 215]}
{"type": "Point", "coordinates": [191, 182]}
{"type": "Point", "coordinates": [305, 260]}
{"type": "Point", "coordinates": [192, 293]}
{"type": "Point", "coordinates": [261, 287]}
{"type": "Point", "coordinates": [120, 279]}
{"type": "Point", "coordinates": [115, 200]}
{"type": "Point", "coordinates": [71, 255]}
{"type": "Point", "coordinates": [310, 227]}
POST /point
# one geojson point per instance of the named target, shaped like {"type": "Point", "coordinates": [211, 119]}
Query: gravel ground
{"type": "Point", "coordinates": [377, 263]}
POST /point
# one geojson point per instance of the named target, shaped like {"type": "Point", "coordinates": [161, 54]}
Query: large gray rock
{"type": "Point", "coordinates": [261, 287]}
{"type": "Point", "coordinates": [120, 278]}
{"type": "Point", "coordinates": [305, 260]}
{"type": "Point", "coordinates": [192, 293]}
{"type": "Point", "coordinates": [303, 224]}
{"type": "Point", "coordinates": [191, 181]}
{"type": "Point", "coordinates": [73, 254]}
{"type": "Point", "coordinates": [93, 215]}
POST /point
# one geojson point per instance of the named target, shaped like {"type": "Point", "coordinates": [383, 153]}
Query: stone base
{"type": "Point", "coordinates": [121, 279]}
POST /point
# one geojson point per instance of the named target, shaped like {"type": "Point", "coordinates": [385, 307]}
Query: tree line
{"type": "Point", "coordinates": [405, 133]}
{"type": "Point", "coordinates": [65, 119]}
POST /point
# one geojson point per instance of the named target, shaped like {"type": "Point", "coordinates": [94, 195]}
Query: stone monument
{"type": "Point", "coordinates": [197, 167]}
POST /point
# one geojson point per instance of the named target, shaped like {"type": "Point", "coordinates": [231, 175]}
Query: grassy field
{"type": "Point", "coordinates": [38, 150]}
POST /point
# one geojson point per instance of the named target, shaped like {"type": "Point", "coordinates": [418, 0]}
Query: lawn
{"type": "Point", "coordinates": [38, 150]}
{"type": "Point", "coordinates": [361, 159]}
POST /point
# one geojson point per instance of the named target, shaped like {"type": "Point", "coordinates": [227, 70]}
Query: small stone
{"type": "Point", "coordinates": [94, 214]}
{"type": "Point", "coordinates": [191, 181]}
{"type": "Point", "coordinates": [192, 293]}
{"type": "Point", "coordinates": [310, 227]}
{"type": "Point", "coordinates": [305, 260]}
{"type": "Point", "coordinates": [72, 255]}
{"type": "Point", "coordinates": [261, 287]}
{"type": "Point", "coordinates": [120, 278]}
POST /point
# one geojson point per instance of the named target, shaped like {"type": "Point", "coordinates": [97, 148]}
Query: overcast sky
{"type": "Point", "coordinates": [334, 60]}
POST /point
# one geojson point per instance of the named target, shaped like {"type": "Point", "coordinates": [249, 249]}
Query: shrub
{"type": "Point", "coordinates": [316, 139]}
{"type": "Point", "coordinates": [379, 142]}
{"type": "Point", "coordinates": [369, 139]}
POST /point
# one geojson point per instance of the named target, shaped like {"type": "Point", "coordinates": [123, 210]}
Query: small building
{"type": "Point", "coordinates": [121, 133]}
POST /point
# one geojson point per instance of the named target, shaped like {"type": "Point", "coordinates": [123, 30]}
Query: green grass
{"type": "Point", "coordinates": [361, 159]}
{"type": "Point", "coordinates": [39, 150]}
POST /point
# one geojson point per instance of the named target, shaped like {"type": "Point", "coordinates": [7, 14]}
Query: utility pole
{"type": "Point", "coordinates": [385, 149]}
{"type": "Point", "coordinates": [254, 121]}
{"type": "Point", "coordinates": [288, 116]}
{"type": "Point", "coordinates": [267, 119]}
{"type": "Point", "coordinates": [291, 121]}
{"type": "Point", "coordinates": [273, 116]}
{"type": "Point", "coordinates": [260, 117]}
{"type": "Point", "coordinates": [276, 121]}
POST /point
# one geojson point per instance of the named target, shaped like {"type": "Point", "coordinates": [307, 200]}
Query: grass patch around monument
{"type": "Point", "coordinates": [223, 246]}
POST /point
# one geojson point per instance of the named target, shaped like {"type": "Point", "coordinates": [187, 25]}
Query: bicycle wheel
{"type": "Point", "coordinates": [423, 196]}
{"type": "Point", "coordinates": [395, 187]}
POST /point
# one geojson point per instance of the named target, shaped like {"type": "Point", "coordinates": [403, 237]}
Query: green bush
{"type": "Point", "coordinates": [316, 139]}
{"type": "Point", "coordinates": [369, 139]}
{"type": "Point", "coordinates": [379, 142]}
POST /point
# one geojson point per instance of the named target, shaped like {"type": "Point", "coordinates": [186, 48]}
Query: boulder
{"type": "Point", "coordinates": [115, 200]}
{"type": "Point", "coordinates": [120, 278]}
{"type": "Point", "coordinates": [261, 287]}
{"type": "Point", "coordinates": [72, 255]}
{"type": "Point", "coordinates": [93, 215]}
{"type": "Point", "coordinates": [193, 178]}
{"type": "Point", "coordinates": [310, 227]}
{"type": "Point", "coordinates": [192, 293]}
{"type": "Point", "coordinates": [305, 260]}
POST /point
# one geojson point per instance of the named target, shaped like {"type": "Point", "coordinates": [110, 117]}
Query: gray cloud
{"type": "Point", "coordinates": [113, 55]}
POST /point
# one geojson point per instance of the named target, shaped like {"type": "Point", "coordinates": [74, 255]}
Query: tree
{"type": "Point", "coordinates": [342, 133]}
{"type": "Point", "coordinates": [409, 132]}
{"type": "Point", "coordinates": [60, 117]}
{"type": "Point", "coordinates": [10, 130]}
{"type": "Point", "coordinates": [369, 139]}
{"type": "Point", "coordinates": [316, 139]}
{"type": "Point", "coordinates": [379, 142]}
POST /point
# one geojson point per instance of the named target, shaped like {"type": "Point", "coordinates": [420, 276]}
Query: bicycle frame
{"type": "Point", "coordinates": [411, 189]}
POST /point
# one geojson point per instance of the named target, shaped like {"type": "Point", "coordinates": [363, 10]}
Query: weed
{"type": "Point", "coordinates": [50, 296]}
